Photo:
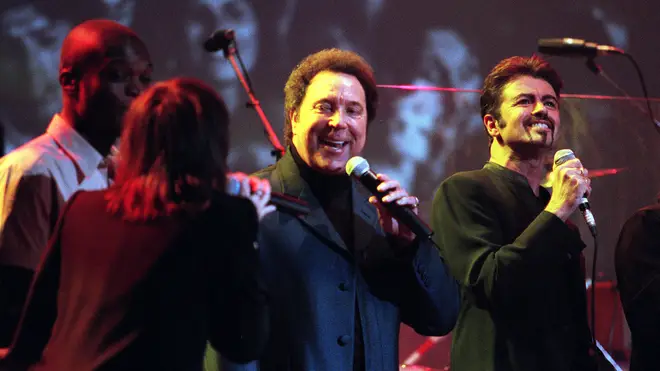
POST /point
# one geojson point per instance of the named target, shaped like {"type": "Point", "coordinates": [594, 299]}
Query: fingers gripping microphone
{"type": "Point", "coordinates": [358, 167]}
{"type": "Point", "coordinates": [561, 157]}
{"type": "Point", "coordinates": [281, 201]}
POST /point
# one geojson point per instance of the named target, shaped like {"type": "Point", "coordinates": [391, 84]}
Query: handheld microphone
{"type": "Point", "coordinates": [358, 167]}
{"type": "Point", "coordinates": [569, 47]}
{"type": "Point", "coordinates": [283, 202]}
{"type": "Point", "coordinates": [219, 39]}
{"type": "Point", "coordinates": [561, 157]}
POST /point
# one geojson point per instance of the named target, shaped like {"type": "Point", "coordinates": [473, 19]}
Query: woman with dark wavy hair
{"type": "Point", "coordinates": [140, 276]}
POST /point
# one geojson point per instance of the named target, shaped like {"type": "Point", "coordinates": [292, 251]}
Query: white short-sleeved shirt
{"type": "Point", "coordinates": [36, 180]}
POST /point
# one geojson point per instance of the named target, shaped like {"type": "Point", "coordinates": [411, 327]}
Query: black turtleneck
{"type": "Point", "coordinates": [334, 195]}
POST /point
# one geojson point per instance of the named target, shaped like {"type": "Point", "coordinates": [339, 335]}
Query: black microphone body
{"type": "Point", "coordinates": [561, 157]}
{"type": "Point", "coordinates": [283, 202]}
{"type": "Point", "coordinates": [218, 40]}
{"type": "Point", "coordinates": [569, 47]}
{"type": "Point", "coordinates": [359, 168]}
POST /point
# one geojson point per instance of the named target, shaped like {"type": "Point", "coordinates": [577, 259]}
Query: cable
{"type": "Point", "coordinates": [633, 101]}
{"type": "Point", "coordinates": [247, 76]}
{"type": "Point", "coordinates": [656, 124]}
{"type": "Point", "coordinates": [593, 290]}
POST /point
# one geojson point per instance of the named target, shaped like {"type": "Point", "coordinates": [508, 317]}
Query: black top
{"type": "Point", "coordinates": [520, 271]}
{"type": "Point", "coordinates": [637, 263]}
{"type": "Point", "coordinates": [334, 195]}
{"type": "Point", "coordinates": [121, 295]}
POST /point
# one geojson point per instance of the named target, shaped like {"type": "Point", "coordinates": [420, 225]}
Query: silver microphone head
{"type": "Point", "coordinates": [563, 155]}
{"type": "Point", "coordinates": [357, 166]}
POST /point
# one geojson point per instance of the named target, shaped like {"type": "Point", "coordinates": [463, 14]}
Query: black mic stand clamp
{"type": "Point", "coordinates": [230, 51]}
{"type": "Point", "coordinates": [592, 66]}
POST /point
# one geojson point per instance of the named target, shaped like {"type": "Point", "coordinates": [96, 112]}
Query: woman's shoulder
{"type": "Point", "coordinates": [231, 209]}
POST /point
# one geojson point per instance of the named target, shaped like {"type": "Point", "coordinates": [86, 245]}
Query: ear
{"type": "Point", "coordinates": [490, 123]}
{"type": "Point", "coordinates": [293, 117]}
{"type": "Point", "coordinates": [68, 82]}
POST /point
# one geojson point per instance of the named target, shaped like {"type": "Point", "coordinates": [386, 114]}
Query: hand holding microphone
{"type": "Point", "coordinates": [570, 187]}
{"type": "Point", "coordinates": [397, 211]}
{"type": "Point", "coordinates": [391, 193]}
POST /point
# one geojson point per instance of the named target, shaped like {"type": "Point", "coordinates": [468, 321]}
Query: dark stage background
{"type": "Point", "coordinates": [419, 137]}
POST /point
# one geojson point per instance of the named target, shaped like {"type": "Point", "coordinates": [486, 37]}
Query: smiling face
{"type": "Point", "coordinates": [528, 116]}
{"type": "Point", "coordinates": [330, 126]}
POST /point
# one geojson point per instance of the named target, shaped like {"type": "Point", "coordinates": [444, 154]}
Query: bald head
{"type": "Point", "coordinates": [103, 67]}
{"type": "Point", "coordinates": [92, 42]}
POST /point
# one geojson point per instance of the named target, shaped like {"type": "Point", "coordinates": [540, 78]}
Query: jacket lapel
{"type": "Point", "coordinates": [365, 218]}
{"type": "Point", "coordinates": [291, 183]}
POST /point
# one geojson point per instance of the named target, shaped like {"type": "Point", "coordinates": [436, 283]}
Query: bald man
{"type": "Point", "coordinates": [103, 67]}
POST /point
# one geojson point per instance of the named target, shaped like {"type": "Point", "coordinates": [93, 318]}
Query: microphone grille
{"type": "Point", "coordinates": [563, 155]}
{"type": "Point", "coordinates": [357, 166]}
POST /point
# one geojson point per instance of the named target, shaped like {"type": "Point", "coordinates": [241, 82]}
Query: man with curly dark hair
{"type": "Point", "coordinates": [343, 278]}
{"type": "Point", "coordinates": [334, 60]}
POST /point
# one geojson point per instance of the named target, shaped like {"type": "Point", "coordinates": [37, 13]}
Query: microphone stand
{"type": "Point", "coordinates": [598, 71]}
{"type": "Point", "coordinates": [230, 51]}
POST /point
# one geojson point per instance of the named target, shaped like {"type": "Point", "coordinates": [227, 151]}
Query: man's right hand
{"type": "Point", "coordinates": [570, 182]}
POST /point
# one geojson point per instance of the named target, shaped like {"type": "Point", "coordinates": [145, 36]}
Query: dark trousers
{"type": "Point", "coordinates": [14, 286]}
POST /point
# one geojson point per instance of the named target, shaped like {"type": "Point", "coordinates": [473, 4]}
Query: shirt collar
{"type": "Point", "coordinates": [506, 172]}
{"type": "Point", "coordinates": [87, 158]}
{"type": "Point", "coordinates": [518, 179]}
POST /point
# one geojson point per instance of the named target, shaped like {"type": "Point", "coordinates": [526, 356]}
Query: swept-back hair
{"type": "Point", "coordinates": [509, 69]}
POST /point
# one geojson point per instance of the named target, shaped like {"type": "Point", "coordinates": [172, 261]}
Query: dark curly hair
{"type": "Point", "coordinates": [507, 70]}
{"type": "Point", "coordinates": [335, 60]}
